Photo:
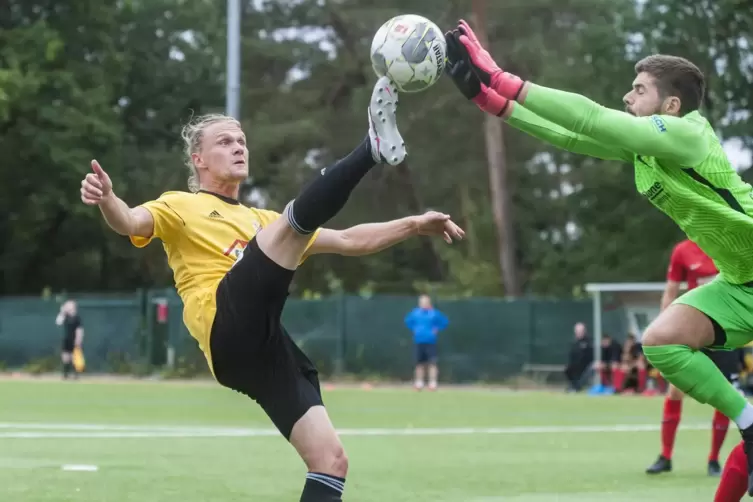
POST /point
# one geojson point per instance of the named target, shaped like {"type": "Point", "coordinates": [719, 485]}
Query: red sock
{"type": "Point", "coordinates": [604, 377]}
{"type": "Point", "coordinates": [641, 380]}
{"type": "Point", "coordinates": [669, 423]}
{"type": "Point", "coordinates": [734, 481]}
{"type": "Point", "coordinates": [618, 378]}
{"type": "Point", "coordinates": [719, 426]}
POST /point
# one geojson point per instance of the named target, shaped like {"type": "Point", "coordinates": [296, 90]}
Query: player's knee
{"type": "Point", "coordinates": [331, 460]}
{"type": "Point", "coordinates": [680, 325]}
{"type": "Point", "coordinates": [674, 393]}
{"type": "Point", "coordinates": [282, 244]}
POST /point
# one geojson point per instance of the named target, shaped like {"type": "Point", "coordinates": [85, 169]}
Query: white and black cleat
{"type": "Point", "coordinates": [386, 143]}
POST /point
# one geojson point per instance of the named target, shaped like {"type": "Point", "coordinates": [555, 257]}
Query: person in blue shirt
{"type": "Point", "coordinates": [425, 322]}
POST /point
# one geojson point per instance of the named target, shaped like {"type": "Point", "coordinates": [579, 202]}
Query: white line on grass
{"type": "Point", "coordinates": [102, 431]}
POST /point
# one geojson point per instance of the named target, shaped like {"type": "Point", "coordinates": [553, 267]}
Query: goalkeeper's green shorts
{"type": "Point", "coordinates": [730, 305]}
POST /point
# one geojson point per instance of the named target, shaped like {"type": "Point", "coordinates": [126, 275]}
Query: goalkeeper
{"type": "Point", "coordinates": [681, 168]}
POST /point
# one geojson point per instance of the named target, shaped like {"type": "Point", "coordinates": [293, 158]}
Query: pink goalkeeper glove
{"type": "Point", "coordinates": [505, 84]}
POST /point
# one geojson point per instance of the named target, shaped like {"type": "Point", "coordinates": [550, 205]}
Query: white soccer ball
{"type": "Point", "coordinates": [411, 51]}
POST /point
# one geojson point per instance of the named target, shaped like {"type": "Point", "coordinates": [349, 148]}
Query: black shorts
{"type": "Point", "coordinates": [728, 362]}
{"type": "Point", "coordinates": [69, 343]}
{"type": "Point", "coordinates": [426, 353]}
{"type": "Point", "coordinates": [251, 351]}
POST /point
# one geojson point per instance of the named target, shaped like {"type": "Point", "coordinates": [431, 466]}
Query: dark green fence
{"type": "Point", "coordinates": [488, 338]}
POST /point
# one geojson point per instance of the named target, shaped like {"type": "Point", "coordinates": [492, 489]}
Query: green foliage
{"type": "Point", "coordinates": [42, 365]}
{"type": "Point", "coordinates": [116, 80]}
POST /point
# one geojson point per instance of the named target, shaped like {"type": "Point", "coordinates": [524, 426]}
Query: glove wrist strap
{"type": "Point", "coordinates": [507, 85]}
{"type": "Point", "coordinates": [491, 102]}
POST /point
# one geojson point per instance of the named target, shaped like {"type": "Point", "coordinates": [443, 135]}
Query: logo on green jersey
{"type": "Point", "coordinates": [659, 123]}
{"type": "Point", "coordinates": [656, 194]}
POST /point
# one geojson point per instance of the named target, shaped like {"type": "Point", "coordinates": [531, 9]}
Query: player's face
{"type": "Point", "coordinates": [643, 100]}
{"type": "Point", "coordinates": [224, 153]}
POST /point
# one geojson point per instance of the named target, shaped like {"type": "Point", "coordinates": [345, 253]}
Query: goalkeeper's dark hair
{"type": "Point", "coordinates": [675, 76]}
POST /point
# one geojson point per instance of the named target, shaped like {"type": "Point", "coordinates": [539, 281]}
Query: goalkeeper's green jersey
{"type": "Point", "coordinates": [680, 167]}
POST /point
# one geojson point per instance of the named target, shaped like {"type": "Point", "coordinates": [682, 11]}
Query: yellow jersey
{"type": "Point", "coordinates": [203, 234]}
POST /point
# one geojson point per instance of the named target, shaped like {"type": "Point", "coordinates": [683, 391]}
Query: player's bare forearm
{"type": "Point", "coordinates": [671, 292]}
{"type": "Point", "coordinates": [117, 214]}
{"type": "Point", "coordinates": [370, 238]}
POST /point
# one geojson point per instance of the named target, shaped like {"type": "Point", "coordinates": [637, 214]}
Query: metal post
{"type": "Point", "coordinates": [597, 333]}
{"type": "Point", "coordinates": [233, 77]}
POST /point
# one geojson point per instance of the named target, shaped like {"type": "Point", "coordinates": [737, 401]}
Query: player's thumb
{"type": "Point", "coordinates": [101, 174]}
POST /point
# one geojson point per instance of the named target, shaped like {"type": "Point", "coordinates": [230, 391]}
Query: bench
{"type": "Point", "coordinates": [540, 372]}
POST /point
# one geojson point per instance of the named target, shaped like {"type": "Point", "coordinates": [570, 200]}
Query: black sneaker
{"type": "Point", "coordinates": [714, 468]}
{"type": "Point", "coordinates": [662, 464]}
{"type": "Point", "coordinates": [747, 435]}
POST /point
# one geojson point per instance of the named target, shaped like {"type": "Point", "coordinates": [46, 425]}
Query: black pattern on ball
{"type": "Point", "coordinates": [416, 48]}
{"type": "Point", "coordinates": [379, 63]}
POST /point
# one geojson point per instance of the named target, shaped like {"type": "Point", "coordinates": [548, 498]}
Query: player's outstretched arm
{"type": "Point", "coordinates": [664, 137]}
{"type": "Point", "coordinates": [460, 70]}
{"type": "Point", "coordinates": [525, 120]}
{"type": "Point", "coordinates": [96, 190]}
{"type": "Point", "coordinates": [370, 238]}
{"type": "Point", "coordinates": [669, 138]}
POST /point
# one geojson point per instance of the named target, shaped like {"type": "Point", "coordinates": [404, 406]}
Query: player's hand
{"type": "Point", "coordinates": [96, 186]}
{"type": "Point", "coordinates": [461, 72]}
{"type": "Point", "coordinates": [483, 63]}
{"type": "Point", "coordinates": [439, 224]}
{"type": "Point", "coordinates": [459, 68]}
{"type": "Point", "coordinates": [503, 83]}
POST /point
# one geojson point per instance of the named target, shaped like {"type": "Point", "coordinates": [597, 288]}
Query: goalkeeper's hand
{"type": "Point", "coordinates": [484, 66]}
{"type": "Point", "coordinates": [460, 70]}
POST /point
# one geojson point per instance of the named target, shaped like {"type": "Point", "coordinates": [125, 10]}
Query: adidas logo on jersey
{"type": "Point", "coordinates": [215, 214]}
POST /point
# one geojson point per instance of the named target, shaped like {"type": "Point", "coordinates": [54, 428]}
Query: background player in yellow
{"type": "Point", "coordinates": [681, 168]}
{"type": "Point", "coordinates": [233, 266]}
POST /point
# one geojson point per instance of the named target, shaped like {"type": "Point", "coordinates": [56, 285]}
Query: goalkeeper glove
{"type": "Point", "coordinates": [484, 66]}
{"type": "Point", "coordinates": [461, 72]}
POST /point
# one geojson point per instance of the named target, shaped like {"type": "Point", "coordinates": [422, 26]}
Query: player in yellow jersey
{"type": "Point", "coordinates": [233, 266]}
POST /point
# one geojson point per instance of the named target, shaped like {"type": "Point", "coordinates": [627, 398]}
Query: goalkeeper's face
{"type": "Point", "coordinates": [644, 99]}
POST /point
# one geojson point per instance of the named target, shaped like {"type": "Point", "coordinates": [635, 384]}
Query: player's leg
{"type": "Point", "coordinates": [433, 369]}
{"type": "Point", "coordinates": [66, 358]}
{"type": "Point", "coordinates": [717, 314]}
{"type": "Point", "coordinates": [728, 364]}
{"type": "Point", "coordinates": [640, 365]}
{"type": "Point", "coordinates": [734, 481]}
{"type": "Point", "coordinates": [252, 354]}
{"type": "Point", "coordinates": [670, 421]}
{"type": "Point", "coordinates": [420, 370]}
{"type": "Point", "coordinates": [313, 435]}
{"type": "Point", "coordinates": [285, 240]}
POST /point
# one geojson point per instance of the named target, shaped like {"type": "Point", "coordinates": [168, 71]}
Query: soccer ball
{"type": "Point", "coordinates": [411, 51]}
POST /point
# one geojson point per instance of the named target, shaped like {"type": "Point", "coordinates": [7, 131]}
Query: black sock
{"type": "Point", "coordinates": [322, 488]}
{"type": "Point", "coordinates": [326, 194]}
{"type": "Point", "coordinates": [67, 367]}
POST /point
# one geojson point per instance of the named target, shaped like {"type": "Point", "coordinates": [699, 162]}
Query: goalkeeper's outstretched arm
{"type": "Point", "coordinates": [497, 92]}
{"type": "Point", "coordinates": [664, 137]}
{"type": "Point", "coordinates": [525, 120]}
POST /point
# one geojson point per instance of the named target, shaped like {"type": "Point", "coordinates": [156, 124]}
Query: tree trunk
{"type": "Point", "coordinates": [498, 180]}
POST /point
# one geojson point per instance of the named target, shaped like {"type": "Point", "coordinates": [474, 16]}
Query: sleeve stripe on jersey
{"type": "Point", "coordinates": [174, 211]}
{"type": "Point", "coordinates": [722, 192]}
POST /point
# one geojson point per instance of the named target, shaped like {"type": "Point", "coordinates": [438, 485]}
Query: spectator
{"type": "Point", "coordinates": [73, 334]}
{"type": "Point", "coordinates": [609, 368]}
{"type": "Point", "coordinates": [425, 322]}
{"type": "Point", "coordinates": [633, 366]}
{"type": "Point", "coordinates": [581, 356]}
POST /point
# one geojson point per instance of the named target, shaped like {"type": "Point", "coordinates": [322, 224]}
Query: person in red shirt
{"type": "Point", "coordinates": [690, 264]}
